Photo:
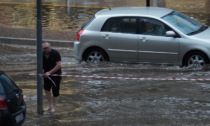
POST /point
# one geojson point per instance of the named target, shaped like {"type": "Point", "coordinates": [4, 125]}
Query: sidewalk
{"type": "Point", "coordinates": [28, 36]}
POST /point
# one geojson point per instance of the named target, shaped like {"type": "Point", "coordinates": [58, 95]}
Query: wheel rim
{"type": "Point", "coordinates": [196, 61]}
{"type": "Point", "coordinates": [95, 57]}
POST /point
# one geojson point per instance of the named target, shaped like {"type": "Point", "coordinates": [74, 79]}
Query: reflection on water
{"type": "Point", "coordinates": [54, 17]}
{"type": "Point", "coordinates": [66, 17]}
{"type": "Point", "coordinates": [70, 18]}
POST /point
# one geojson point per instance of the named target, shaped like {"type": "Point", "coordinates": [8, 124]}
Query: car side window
{"type": "Point", "coordinates": [149, 26]}
{"type": "Point", "coordinates": [121, 25]}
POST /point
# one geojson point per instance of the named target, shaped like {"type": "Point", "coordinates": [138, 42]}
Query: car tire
{"type": "Point", "coordinates": [196, 60]}
{"type": "Point", "coordinates": [95, 55]}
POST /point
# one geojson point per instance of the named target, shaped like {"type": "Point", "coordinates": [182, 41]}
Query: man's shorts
{"type": "Point", "coordinates": [48, 85]}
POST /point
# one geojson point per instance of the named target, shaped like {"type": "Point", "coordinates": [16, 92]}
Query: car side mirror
{"type": "Point", "coordinates": [171, 34]}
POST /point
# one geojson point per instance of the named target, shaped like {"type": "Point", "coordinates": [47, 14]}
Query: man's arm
{"type": "Point", "coordinates": [56, 68]}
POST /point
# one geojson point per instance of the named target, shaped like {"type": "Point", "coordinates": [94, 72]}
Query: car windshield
{"type": "Point", "coordinates": [184, 23]}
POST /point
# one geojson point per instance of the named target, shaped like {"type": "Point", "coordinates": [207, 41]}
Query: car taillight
{"type": "Point", "coordinates": [3, 104]}
{"type": "Point", "coordinates": [79, 34]}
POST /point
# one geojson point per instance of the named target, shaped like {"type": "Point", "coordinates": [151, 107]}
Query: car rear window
{"type": "Point", "coordinates": [7, 84]}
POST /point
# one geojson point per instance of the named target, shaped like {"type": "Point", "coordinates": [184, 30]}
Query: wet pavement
{"type": "Point", "coordinates": [104, 102]}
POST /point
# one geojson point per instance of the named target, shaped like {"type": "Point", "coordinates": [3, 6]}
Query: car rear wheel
{"type": "Point", "coordinates": [196, 60]}
{"type": "Point", "coordinates": [95, 56]}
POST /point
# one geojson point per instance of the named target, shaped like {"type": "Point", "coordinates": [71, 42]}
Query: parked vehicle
{"type": "Point", "coordinates": [12, 105]}
{"type": "Point", "coordinates": [143, 35]}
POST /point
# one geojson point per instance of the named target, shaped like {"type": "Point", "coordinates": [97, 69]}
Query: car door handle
{"type": "Point", "coordinates": [107, 36]}
{"type": "Point", "coordinates": [143, 39]}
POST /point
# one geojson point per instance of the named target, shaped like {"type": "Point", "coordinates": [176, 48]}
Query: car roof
{"type": "Point", "coordinates": [135, 11]}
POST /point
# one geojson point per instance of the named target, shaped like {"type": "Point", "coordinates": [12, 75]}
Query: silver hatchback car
{"type": "Point", "coordinates": [143, 35]}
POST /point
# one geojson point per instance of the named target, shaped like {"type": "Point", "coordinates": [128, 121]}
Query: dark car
{"type": "Point", "coordinates": [12, 104]}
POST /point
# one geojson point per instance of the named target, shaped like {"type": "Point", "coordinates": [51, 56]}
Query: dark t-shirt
{"type": "Point", "coordinates": [50, 63]}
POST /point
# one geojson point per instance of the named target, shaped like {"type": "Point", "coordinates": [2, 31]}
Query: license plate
{"type": "Point", "coordinates": [19, 117]}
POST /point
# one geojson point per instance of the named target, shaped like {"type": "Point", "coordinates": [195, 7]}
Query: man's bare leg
{"type": "Point", "coordinates": [49, 99]}
{"type": "Point", "coordinates": [55, 101]}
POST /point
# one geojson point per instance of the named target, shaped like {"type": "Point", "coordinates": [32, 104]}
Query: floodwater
{"type": "Point", "coordinates": [112, 102]}
{"type": "Point", "coordinates": [72, 17]}
{"type": "Point", "coordinates": [54, 17]}
{"type": "Point", "coordinates": [89, 101]}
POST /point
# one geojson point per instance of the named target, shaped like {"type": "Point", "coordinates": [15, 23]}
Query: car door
{"type": "Point", "coordinates": [120, 38]}
{"type": "Point", "coordinates": [154, 45]}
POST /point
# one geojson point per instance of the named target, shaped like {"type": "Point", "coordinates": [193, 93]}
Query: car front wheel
{"type": "Point", "coordinates": [196, 60]}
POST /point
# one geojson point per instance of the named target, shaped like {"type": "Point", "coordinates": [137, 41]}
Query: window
{"type": "Point", "coordinates": [1, 88]}
{"type": "Point", "coordinates": [7, 83]}
{"type": "Point", "coordinates": [121, 25]}
{"type": "Point", "coordinates": [150, 26]}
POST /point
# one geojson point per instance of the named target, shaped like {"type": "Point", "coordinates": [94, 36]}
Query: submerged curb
{"type": "Point", "coordinates": [31, 41]}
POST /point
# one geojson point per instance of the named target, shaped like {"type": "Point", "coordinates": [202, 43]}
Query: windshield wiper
{"type": "Point", "coordinates": [203, 28]}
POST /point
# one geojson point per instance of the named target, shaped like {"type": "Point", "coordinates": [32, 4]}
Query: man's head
{"type": "Point", "coordinates": [46, 47]}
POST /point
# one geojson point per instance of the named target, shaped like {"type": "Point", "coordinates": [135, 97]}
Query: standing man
{"type": "Point", "coordinates": [51, 65]}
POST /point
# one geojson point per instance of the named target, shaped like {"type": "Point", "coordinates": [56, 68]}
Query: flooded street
{"type": "Point", "coordinates": [112, 102]}
{"type": "Point", "coordinates": [108, 94]}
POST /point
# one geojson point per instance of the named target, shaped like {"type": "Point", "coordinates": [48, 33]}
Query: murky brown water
{"type": "Point", "coordinates": [106, 102]}
{"type": "Point", "coordinates": [54, 18]}
{"type": "Point", "coordinates": [61, 16]}
{"type": "Point", "coordinates": [116, 102]}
